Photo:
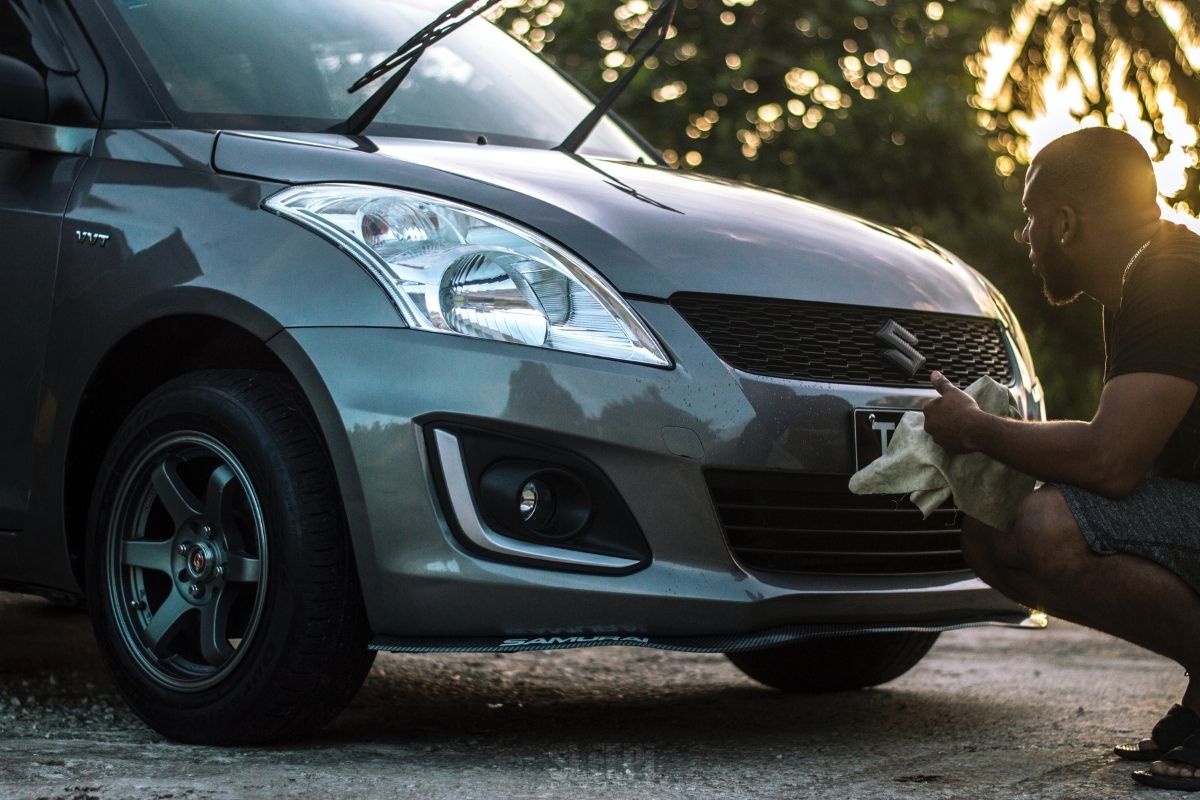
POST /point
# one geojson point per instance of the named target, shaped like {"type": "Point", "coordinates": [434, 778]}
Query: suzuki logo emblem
{"type": "Point", "coordinates": [903, 354]}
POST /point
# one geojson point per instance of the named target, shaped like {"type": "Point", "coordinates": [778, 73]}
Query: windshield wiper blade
{"type": "Point", "coordinates": [403, 60]}
{"type": "Point", "coordinates": [659, 23]}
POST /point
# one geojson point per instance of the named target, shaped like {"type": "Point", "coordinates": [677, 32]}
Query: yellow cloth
{"type": "Point", "coordinates": [916, 465]}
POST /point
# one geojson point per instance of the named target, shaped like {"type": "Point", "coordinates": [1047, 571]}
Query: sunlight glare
{"type": "Point", "coordinates": [1028, 101]}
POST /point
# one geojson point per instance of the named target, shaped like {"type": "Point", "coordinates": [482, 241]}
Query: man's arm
{"type": "Point", "coordinates": [1110, 455]}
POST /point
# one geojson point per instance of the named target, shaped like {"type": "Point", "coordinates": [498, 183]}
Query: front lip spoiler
{"type": "Point", "coordinates": [720, 643]}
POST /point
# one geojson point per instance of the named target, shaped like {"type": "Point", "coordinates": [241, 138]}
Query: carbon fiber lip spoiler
{"type": "Point", "coordinates": [720, 643]}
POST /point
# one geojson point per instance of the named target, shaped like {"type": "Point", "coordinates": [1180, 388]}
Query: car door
{"type": "Point", "coordinates": [46, 130]}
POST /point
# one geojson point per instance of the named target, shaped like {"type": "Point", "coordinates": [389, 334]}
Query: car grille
{"type": "Point", "coordinates": [788, 522]}
{"type": "Point", "coordinates": [837, 344]}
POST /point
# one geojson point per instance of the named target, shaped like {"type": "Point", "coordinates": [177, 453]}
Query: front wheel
{"type": "Point", "coordinates": [836, 663]}
{"type": "Point", "coordinates": [220, 573]}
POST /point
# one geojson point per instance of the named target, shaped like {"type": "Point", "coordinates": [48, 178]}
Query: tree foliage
{"type": "Point", "coordinates": [834, 102]}
{"type": "Point", "coordinates": [1128, 64]}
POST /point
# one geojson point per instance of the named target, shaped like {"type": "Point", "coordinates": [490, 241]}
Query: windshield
{"type": "Point", "coordinates": [286, 65]}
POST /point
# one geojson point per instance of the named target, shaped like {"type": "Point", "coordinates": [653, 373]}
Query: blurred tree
{"type": "Point", "coordinates": [855, 94]}
{"type": "Point", "coordinates": [1128, 64]}
{"type": "Point", "coordinates": [916, 113]}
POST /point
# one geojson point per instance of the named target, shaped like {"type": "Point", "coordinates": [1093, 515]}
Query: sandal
{"type": "Point", "coordinates": [1187, 753]}
{"type": "Point", "coordinates": [1170, 732]}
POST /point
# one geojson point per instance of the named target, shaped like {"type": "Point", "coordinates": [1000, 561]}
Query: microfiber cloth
{"type": "Point", "coordinates": [916, 465]}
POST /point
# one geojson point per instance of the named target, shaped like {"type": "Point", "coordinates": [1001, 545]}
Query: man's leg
{"type": "Point", "coordinates": [1045, 563]}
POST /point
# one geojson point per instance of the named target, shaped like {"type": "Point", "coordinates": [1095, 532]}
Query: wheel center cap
{"type": "Point", "coordinates": [200, 560]}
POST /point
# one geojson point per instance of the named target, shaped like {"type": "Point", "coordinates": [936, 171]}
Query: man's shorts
{"type": "Point", "coordinates": [1159, 521]}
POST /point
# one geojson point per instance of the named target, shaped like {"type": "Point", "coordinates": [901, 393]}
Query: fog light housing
{"type": "Point", "coordinates": [541, 501]}
{"type": "Point", "coordinates": [511, 499]}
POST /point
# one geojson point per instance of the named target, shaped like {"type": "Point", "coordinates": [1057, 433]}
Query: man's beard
{"type": "Point", "coordinates": [1057, 285]}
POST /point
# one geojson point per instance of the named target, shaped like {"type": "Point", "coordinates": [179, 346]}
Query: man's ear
{"type": "Point", "coordinates": [1066, 225]}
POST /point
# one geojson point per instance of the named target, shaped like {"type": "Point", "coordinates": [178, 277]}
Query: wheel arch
{"type": "Point", "coordinates": [145, 358]}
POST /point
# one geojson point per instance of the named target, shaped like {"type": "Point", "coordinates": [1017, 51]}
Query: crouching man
{"type": "Point", "coordinates": [1111, 540]}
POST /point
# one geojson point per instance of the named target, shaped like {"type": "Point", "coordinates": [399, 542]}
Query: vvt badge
{"type": "Point", "coordinates": [903, 353]}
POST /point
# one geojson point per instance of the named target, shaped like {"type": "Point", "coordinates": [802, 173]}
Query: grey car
{"type": "Point", "coordinates": [279, 394]}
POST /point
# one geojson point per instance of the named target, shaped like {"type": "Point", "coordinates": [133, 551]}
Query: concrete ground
{"type": "Point", "coordinates": [989, 713]}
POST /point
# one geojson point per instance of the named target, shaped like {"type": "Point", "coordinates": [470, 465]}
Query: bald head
{"type": "Point", "coordinates": [1090, 202]}
{"type": "Point", "coordinates": [1098, 171]}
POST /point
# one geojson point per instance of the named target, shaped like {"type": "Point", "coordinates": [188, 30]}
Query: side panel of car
{"type": "Point", "coordinates": [185, 253]}
{"type": "Point", "coordinates": [34, 188]}
{"type": "Point", "coordinates": [159, 255]}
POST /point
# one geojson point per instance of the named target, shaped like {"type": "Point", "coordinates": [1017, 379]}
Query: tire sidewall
{"type": "Point", "coordinates": [191, 405]}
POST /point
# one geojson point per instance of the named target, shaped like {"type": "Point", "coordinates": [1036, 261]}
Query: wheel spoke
{"type": "Point", "coordinates": [221, 496]}
{"type": "Point", "coordinates": [214, 628]}
{"type": "Point", "coordinates": [218, 497]}
{"type": "Point", "coordinates": [242, 569]}
{"type": "Point", "coordinates": [147, 554]}
{"type": "Point", "coordinates": [180, 503]}
{"type": "Point", "coordinates": [166, 621]}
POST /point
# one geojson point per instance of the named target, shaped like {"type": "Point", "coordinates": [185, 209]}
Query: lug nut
{"type": "Point", "coordinates": [196, 589]}
{"type": "Point", "coordinates": [207, 531]}
{"type": "Point", "coordinates": [219, 570]}
{"type": "Point", "coordinates": [183, 548]}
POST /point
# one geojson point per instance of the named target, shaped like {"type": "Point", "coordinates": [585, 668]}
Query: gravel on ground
{"type": "Point", "coordinates": [990, 713]}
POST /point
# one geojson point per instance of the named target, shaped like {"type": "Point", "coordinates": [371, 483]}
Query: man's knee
{"type": "Point", "coordinates": [1045, 541]}
{"type": "Point", "coordinates": [981, 548]}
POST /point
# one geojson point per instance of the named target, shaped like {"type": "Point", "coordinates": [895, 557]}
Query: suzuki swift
{"type": "Point", "coordinates": [452, 362]}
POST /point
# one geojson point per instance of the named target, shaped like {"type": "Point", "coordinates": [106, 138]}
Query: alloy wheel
{"type": "Point", "coordinates": [187, 555]}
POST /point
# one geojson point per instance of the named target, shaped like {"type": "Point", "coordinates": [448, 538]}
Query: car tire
{"type": "Point", "coordinates": [837, 663]}
{"type": "Point", "coordinates": [220, 575]}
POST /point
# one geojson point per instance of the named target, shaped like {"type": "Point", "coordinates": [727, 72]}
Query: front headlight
{"type": "Point", "coordinates": [454, 269]}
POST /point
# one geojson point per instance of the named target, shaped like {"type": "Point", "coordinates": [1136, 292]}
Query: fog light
{"type": "Point", "coordinates": [529, 500]}
{"type": "Point", "coordinates": [536, 503]}
{"type": "Point", "coordinates": [541, 501]}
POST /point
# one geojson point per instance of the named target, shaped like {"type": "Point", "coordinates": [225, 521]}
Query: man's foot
{"type": "Point", "coordinates": [1179, 769]}
{"type": "Point", "coordinates": [1174, 769]}
{"type": "Point", "coordinates": [1171, 731]}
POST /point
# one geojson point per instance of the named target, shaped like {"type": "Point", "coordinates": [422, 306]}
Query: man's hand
{"type": "Point", "coordinates": [1110, 455]}
{"type": "Point", "coordinates": [950, 418]}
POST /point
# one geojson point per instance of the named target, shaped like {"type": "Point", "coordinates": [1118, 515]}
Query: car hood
{"type": "Point", "coordinates": [651, 231]}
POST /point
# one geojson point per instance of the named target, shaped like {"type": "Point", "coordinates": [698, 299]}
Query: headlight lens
{"type": "Point", "coordinates": [453, 269]}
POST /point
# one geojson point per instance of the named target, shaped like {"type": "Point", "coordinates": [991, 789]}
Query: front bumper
{"type": "Point", "coordinates": [372, 387]}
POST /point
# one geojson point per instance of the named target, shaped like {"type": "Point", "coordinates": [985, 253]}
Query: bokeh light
{"type": "Point", "coordinates": [1061, 66]}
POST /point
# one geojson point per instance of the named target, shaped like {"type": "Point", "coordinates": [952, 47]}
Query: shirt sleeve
{"type": "Point", "coordinates": [1158, 326]}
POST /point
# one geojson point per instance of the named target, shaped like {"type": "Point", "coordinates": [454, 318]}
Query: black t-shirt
{"type": "Point", "coordinates": [1157, 329]}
